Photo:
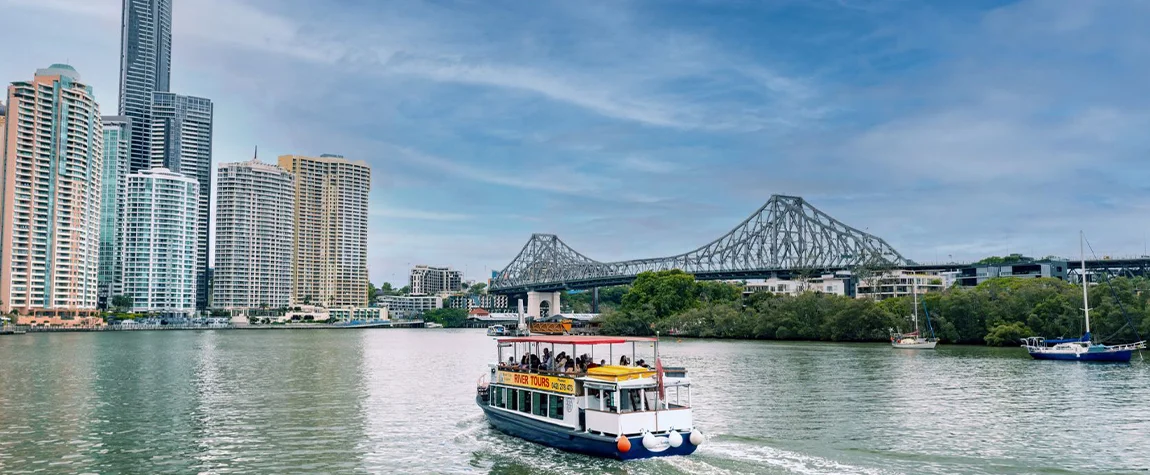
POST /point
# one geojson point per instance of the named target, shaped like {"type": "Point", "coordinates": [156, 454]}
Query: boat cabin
{"type": "Point", "coordinates": [583, 391]}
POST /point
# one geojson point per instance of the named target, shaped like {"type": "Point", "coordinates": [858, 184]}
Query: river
{"type": "Point", "coordinates": [402, 401]}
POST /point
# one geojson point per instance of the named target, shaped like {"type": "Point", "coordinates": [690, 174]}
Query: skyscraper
{"type": "Point", "coordinates": [255, 206]}
{"type": "Point", "coordinates": [159, 252]}
{"type": "Point", "coordinates": [181, 141]}
{"type": "Point", "coordinates": [117, 147]}
{"type": "Point", "coordinates": [145, 68]}
{"type": "Point", "coordinates": [50, 205]}
{"type": "Point", "coordinates": [330, 265]}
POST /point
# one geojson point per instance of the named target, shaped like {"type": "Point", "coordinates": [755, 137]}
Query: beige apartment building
{"type": "Point", "coordinates": [50, 205]}
{"type": "Point", "coordinates": [330, 244]}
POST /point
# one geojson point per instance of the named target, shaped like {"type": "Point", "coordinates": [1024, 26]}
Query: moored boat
{"type": "Point", "coordinates": [1084, 348]}
{"type": "Point", "coordinates": [496, 330]}
{"type": "Point", "coordinates": [913, 340]}
{"type": "Point", "coordinates": [619, 411]}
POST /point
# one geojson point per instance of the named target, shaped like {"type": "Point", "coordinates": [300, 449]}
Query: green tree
{"type": "Point", "coordinates": [1007, 334]}
{"type": "Point", "coordinates": [448, 317]}
{"type": "Point", "coordinates": [372, 292]}
{"type": "Point", "coordinates": [121, 302]}
{"type": "Point", "coordinates": [478, 288]}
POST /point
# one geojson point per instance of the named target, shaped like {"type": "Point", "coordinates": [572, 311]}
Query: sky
{"type": "Point", "coordinates": [646, 128]}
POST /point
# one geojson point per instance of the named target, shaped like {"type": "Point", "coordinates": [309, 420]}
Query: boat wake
{"type": "Point", "coordinates": [748, 455]}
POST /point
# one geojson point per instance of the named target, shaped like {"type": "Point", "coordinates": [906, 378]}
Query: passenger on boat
{"type": "Point", "coordinates": [570, 369]}
{"type": "Point", "coordinates": [546, 358]}
{"type": "Point", "coordinates": [642, 364]}
{"type": "Point", "coordinates": [623, 361]}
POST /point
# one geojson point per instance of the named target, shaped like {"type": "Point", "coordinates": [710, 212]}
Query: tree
{"type": "Point", "coordinates": [478, 288]}
{"type": "Point", "coordinates": [405, 290]}
{"type": "Point", "coordinates": [448, 317]}
{"type": "Point", "coordinates": [121, 302]}
{"type": "Point", "coordinates": [372, 292]}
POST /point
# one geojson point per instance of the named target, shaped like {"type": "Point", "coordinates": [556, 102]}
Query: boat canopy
{"type": "Point", "coordinates": [1085, 337]}
{"type": "Point", "coordinates": [575, 339]}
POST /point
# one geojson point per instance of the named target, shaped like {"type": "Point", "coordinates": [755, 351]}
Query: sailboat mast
{"type": "Point", "coordinates": [914, 290]}
{"type": "Point", "coordinates": [1085, 297]}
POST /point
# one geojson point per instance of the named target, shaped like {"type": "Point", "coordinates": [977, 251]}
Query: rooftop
{"type": "Point", "coordinates": [577, 339]}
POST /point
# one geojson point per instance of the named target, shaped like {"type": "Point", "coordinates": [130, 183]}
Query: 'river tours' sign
{"type": "Point", "coordinates": [537, 381]}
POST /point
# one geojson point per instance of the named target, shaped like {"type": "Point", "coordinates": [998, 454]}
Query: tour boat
{"type": "Point", "coordinates": [913, 341]}
{"type": "Point", "coordinates": [615, 411]}
{"type": "Point", "coordinates": [1080, 349]}
{"type": "Point", "coordinates": [496, 330]}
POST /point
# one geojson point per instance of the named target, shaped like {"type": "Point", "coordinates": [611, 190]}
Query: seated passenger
{"type": "Point", "coordinates": [623, 361]}
{"type": "Point", "coordinates": [570, 367]}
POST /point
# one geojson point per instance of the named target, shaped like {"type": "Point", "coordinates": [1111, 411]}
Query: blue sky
{"type": "Point", "coordinates": [645, 128]}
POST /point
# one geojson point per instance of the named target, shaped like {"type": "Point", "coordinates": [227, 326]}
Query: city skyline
{"type": "Point", "coordinates": [609, 142]}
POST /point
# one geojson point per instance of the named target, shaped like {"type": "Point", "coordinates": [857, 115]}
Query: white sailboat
{"type": "Point", "coordinates": [914, 341]}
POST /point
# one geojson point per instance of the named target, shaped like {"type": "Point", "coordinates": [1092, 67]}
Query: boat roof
{"type": "Point", "coordinates": [575, 339]}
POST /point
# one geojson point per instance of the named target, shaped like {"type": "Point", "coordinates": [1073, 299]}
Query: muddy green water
{"type": "Point", "coordinates": [401, 401]}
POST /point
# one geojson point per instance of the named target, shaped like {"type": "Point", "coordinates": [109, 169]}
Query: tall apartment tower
{"type": "Point", "coordinates": [145, 68]}
{"type": "Point", "coordinates": [50, 204]}
{"type": "Point", "coordinates": [427, 280]}
{"type": "Point", "coordinates": [330, 265]}
{"type": "Point", "coordinates": [160, 226]}
{"type": "Point", "coordinates": [181, 141]}
{"type": "Point", "coordinates": [255, 212]}
{"type": "Point", "coordinates": [117, 154]}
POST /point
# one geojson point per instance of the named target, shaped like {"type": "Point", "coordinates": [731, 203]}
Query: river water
{"type": "Point", "coordinates": [402, 401]}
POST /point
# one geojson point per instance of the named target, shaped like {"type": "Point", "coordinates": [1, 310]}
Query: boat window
{"type": "Point", "coordinates": [524, 401]}
{"type": "Point", "coordinates": [513, 399]}
{"type": "Point", "coordinates": [555, 407]}
{"type": "Point", "coordinates": [609, 398]}
{"type": "Point", "coordinates": [537, 401]}
{"type": "Point", "coordinates": [497, 399]}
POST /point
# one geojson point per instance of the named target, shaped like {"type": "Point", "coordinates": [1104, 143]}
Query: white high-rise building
{"type": "Point", "coordinates": [427, 280]}
{"type": "Point", "coordinates": [255, 208]}
{"type": "Point", "coordinates": [181, 141]}
{"type": "Point", "coordinates": [160, 226]}
{"type": "Point", "coordinates": [50, 199]}
{"type": "Point", "coordinates": [117, 148]}
{"type": "Point", "coordinates": [330, 267]}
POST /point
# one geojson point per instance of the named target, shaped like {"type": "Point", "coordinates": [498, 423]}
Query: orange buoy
{"type": "Point", "coordinates": [623, 444]}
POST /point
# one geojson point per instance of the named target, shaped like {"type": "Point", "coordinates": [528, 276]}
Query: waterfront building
{"type": "Point", "coordinates": [181, 141]}
{"type": "Point", "coordinates": [493, 302]}
{"type": "Point", "coordinates": [899, 283]}
{"type": "Point", "coordinates": [410, 306]}
{"type": "Point", "coordinates": [159, 253]}
{"type": "Point", "coordinates": [427, 280]}
{"type": "Point", "coordinates": [145, 68]}
{"type": "Point", "coordinates": [360, 313]}
{"type": "Point", "coordinates": [834, 284]}
{"type": "Point", "coordinates": [1027, 269]}
{"type": "Point", "coordinates": [50, 205]}
{"type": "Point", "coordinates": [117, 153]}
{"type": "Point", "coordinates": [255, 208]}
{"type": "Point", "coordinates": [330, 249]}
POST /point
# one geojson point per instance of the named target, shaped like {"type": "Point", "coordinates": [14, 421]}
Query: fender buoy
{"type": "Point", "coordinates": [696, 437]}
{"type": "Point", "coordinates": [623, 444]}
{"type": "Point", "coordinates": [675, 438]}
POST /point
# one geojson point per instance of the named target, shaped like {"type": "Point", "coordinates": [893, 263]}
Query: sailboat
{"type": "Point", "coordinates": [1080, 349]}
{"type": "Point", "coordinates": [914, 341]}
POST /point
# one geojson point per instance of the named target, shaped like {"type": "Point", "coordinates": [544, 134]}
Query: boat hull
{"type": "Point", "coordinates": [926, 345]}
{"type": "Point", "coordinates": [1121, 356]}
{"type": "Point", "coordinates": [569, 440]}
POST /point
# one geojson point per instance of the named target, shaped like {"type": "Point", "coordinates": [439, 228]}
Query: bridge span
{"type": "Point", "coordinates": [787, 235]}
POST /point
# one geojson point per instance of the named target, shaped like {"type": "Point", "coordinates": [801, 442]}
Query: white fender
{"type": "Point", "coordinates": [675, 438]}
{"type": "Point", "coordinates": [696, 437]}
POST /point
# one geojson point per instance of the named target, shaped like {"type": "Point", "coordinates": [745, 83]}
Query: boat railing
{"type": "Point", "coordinates": [482, 387]}
{"type": "Point", "coordinates": [1139, 345]}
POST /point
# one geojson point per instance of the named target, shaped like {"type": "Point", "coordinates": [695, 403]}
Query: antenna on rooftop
{"type": "Point", "coordinates": [256, 154]}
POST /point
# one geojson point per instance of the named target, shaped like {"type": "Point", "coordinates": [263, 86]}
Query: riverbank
{"type": "Point", "coordinates": [997, 312]}
{"type": "Point", "coordinates": [18, 329]}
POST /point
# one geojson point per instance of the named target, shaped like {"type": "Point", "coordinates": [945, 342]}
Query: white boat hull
{"type": "Point", "coordinates": [920, 345]}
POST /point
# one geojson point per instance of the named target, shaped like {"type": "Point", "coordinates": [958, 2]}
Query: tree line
{"type": "Point", "coordinates": [997, 312]}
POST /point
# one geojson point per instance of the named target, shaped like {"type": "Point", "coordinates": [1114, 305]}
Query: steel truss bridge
{"type": "Point", "coordinates": [786, 236]}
